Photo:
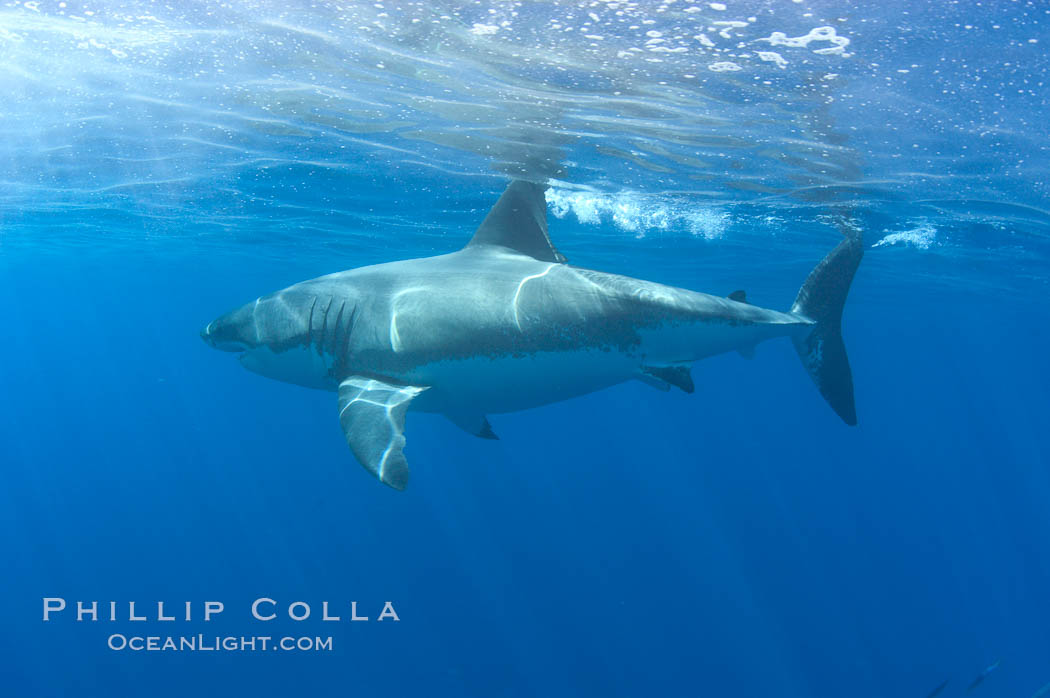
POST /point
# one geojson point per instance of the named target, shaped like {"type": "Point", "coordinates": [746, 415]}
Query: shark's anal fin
{"type": "Point", "coordinates": [518, 222]}
{"type": "Point", "coordinates": [476, 424]}
{"type": "Point", "coordinates": [738, 296]}
{"type": "Point", "coordinates": [372, 414]}
{"type": "Point", "coordinates": [661, 376]}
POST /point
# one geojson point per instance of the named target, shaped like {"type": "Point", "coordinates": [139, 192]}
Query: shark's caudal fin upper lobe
{"type": "Point", "coordinates": [821, 299]}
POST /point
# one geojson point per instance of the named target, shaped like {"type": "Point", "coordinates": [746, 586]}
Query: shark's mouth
{"type": "Point", "coordinates": [214, 339]}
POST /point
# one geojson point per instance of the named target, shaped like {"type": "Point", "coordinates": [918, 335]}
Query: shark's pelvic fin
{"type": "Point", "coordinates": [679, 376]}
{"type": "Point", "coordinates": [518, 222]}
{"type": "Point", "coordinates": [476, 424]}
{"type": "Point", "coordinates": [653, 381]}
{"type": "Point", "coordinates": [372, 414]}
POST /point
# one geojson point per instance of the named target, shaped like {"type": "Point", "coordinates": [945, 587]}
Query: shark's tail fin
{"type": "Point", "coordinates": [821, 299]}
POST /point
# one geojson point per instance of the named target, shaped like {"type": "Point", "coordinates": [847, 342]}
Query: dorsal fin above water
{"type": "Point", "coordinates": [518, 222]}
{"type": "Point", "coordinates": [738, 296]}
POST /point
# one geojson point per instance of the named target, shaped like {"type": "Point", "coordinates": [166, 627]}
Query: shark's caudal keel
{"type": "Point", "coordinates": [506, 324]}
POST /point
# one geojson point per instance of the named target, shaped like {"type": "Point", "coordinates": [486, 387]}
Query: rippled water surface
{"type": "Point", "coordinates": [673, 118]}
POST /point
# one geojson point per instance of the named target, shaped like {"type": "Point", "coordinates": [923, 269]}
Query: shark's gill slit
{"type": "Point", "coordinates": [310, 324]}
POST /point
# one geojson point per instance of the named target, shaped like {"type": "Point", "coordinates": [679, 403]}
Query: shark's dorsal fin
{"type": "Point", "coordinates": [518, 222]}
{"type": "Point", "coordinates": [738, 296]}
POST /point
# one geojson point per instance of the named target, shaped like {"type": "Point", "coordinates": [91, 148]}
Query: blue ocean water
{"type": "Point", "coordinates": [163, 163]}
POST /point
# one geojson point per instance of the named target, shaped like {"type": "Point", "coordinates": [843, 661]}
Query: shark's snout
{"type": "Point", "coordinates": [225, 334]}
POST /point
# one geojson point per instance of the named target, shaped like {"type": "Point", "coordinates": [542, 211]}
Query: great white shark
{"type": "Point", "coordinates": [506, 324]}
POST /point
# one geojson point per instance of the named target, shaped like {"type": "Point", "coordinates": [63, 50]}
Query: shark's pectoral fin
{"type": "Point", "coordinates": [476, 424]}
{"type": "Point", "coordinates": [372, 414]}
{"type": "Point", "coordinates": [747, 352]}
{"type": "Point", "coordinates": [662, 377]}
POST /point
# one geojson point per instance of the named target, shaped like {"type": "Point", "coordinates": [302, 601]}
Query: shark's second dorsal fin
{"type": "Point", "coordinates": [518, 222]}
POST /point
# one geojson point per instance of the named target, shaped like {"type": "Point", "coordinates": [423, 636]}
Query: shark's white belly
{"type": "Point", "coordinates": [300, 365]}
{"type": "Point", "coordinates": [492, 385]}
